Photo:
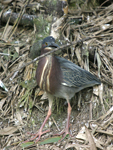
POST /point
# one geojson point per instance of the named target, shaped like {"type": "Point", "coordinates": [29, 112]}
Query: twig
{"type": "Point", "coordinates": [52, 51]}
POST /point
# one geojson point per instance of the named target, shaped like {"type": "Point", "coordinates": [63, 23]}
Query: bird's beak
{"type": "Point", "coordinates": [53, 44]}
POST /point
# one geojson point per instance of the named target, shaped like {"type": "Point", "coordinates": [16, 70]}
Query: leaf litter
{"type": "Point", "coordinates": [21, 107]}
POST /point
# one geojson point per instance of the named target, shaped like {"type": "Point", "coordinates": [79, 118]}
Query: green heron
{"type": "Point", "coordinates": [60, 78]}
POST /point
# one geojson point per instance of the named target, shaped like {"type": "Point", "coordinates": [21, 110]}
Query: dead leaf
{"type": "Point", "coordinates": [90, 139]}
{"type": "Point", "coordinates": [2, 103]}
{"type": "Point", "coordinates": [8, 130]}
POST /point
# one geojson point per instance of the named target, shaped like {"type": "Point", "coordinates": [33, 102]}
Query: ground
{"type": "Point", "coordinates": [22, 108]}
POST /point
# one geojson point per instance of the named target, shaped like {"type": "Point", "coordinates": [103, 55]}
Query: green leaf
{"type": "Point", "coordinates": [50, 140]}
{"type": "Point", "coordinates": [24, 145]}
{"type": "Point", "coordinates": [15, 55]}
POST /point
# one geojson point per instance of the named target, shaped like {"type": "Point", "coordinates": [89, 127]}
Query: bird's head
{"type": "Point", "coordinates": [48, 44]}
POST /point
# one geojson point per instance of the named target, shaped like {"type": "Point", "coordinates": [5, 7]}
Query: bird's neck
{"type": "Point", "coordinates": [46, 63]}
{"type": "Point", "coordinates": [49, 74]}
{"type": "Point", "coordinates": [45, 50]}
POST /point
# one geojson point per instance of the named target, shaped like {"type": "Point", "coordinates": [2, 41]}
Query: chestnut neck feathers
{"type": "Point", "coordinates": [49, 71]}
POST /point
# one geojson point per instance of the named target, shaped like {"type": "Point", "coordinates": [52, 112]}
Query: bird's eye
{"type": "Point", "coordinates": [46, 43]}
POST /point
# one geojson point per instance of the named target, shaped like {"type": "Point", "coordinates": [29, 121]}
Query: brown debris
{"type": "Point", "coordinates": [88, 42]}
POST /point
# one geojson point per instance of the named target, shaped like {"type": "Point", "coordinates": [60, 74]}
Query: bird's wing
{"type": "Point", "coordinates": [75, 76]}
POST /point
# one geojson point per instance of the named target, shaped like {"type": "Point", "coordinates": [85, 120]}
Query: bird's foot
{"type": "Point", "coordinates": [65, 133]}
{"type": "Point", "coordinates": [39, 134]}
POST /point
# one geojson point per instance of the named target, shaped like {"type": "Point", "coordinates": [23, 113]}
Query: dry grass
{"type": "Point", "coordinates": [94, 54]}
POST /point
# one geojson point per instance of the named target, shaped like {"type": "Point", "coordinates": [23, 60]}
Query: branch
{"type": "Point", "coordinates": [52, 51]}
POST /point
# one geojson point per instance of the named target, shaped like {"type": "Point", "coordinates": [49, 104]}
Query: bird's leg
{"type": "Point", "coordinates": [41, 128]}
{"type": "Point", "coordinates": [66, 130]}
{"type": "Point", "coordinates": [68, 118]}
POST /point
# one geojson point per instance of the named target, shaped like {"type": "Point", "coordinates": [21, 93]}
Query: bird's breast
{"type": "Point", "coordinates": [48, 74]}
